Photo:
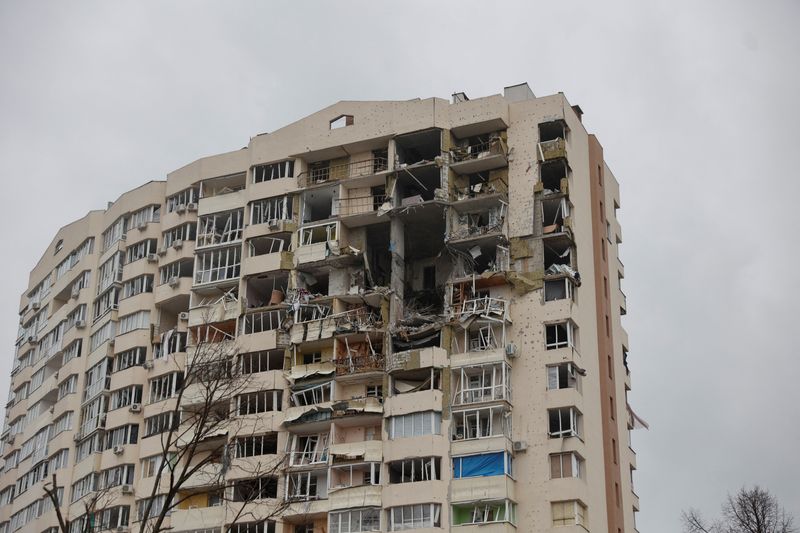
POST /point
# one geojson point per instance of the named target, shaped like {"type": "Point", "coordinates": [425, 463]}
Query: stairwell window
{"type": "Point", "coordinates": [563, 376]}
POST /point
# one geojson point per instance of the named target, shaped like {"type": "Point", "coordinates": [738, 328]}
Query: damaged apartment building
{"type": "Point", "coordinates": [425, 294]}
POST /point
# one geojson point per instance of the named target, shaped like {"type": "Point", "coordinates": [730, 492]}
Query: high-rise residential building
{"type": "Point", "coordinates": [422, 299]}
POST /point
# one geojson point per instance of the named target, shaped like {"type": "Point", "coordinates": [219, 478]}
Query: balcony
{"type": "Point", "coordinates": [358, 496]}
{"type": "Point", "coordinates": [480, 156]}
{"type": "Point", "coordinates": [199, 519]}
{"type": "Point", "coordinates": [360, 364]}
{"type": "Point", "coordinates": [482, 488]}
{"type": "Point", "coordinates": [433, 356]}
{"type": "Point", "coordinates": [268, 262]}
{"type": "Point", "coordinates": [324, 171]}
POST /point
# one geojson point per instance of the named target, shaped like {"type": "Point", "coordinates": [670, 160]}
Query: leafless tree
{"type": "Point", "coordinates": [199, 427]}
{"type": "Point", "coordinates": [749, 511]}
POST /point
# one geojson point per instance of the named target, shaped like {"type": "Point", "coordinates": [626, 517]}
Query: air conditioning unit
{"type": "Point", "coordinates": [118, 450]}
{"type": "Point", "coordinates": [32, 337]}
{"type": "Point", "coordinates": [162, 252]}
{"type": "Point", "coordinates": [123, 237]}
{"type": "Point", "coordinates": [135, 408]}
{"type": "Point", "coordinates": [177, 244]}
{"type": "Point", "coordinates": [122, 529]}
{"type": "Point", "coordinates": [183, 315]}
{"type": "Point", "coordinates": [80, 323]}
{"type": "Point", "coordinates": [181, 208]}
{"type": "Point", "coordinates": [76, 437]}
{"type": "Point", "coordinates": [127, 489]}
{"type": "Point", "coordinates": [142, 226]}
{"type": "Point", "coordinates": [520, 446]}
{"type": "Point", "coordinates": [113, 307]}
{"type": "Point", "coordinates": [52, 409]}
{"type": "Point", "coordinates": [152, 258]}
{"type": "Point", "coordinates": [101, 423]}
{"type": "Point", "coordinates": [191, 206]}
{"type": "Point", "coordinates": [111, 342]}
{"type": "Point", "coordinates": [148, 365]}
{"type": "Point", "coordinates": [174, 281]}
{"type": "Point", "coordinates": [36, 305]}
{"type": "Point", "coordinates": [511, 350]}
{"type": "Point", "coordinates": [75, 292]}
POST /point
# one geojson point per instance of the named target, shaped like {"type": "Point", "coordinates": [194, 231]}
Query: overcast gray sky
{"type": "Point", "coordinates": [694, 102]}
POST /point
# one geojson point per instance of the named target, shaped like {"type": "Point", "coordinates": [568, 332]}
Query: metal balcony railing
{"type": "Point", "coordinates": [352, 169]}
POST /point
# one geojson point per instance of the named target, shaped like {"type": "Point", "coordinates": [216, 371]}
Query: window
{"type": "Point", "coordinates": [271, 210]}
{"type": "Point", "coordinates": [560, 335]}
{"type": "Point", "coordinates": [150, 507]}
{"type": "Point", "coordinates": [564, 422]}
{"type": "Point", "coordinates": [273, 171]}
{"type": "Point", "coordinates": [255, 489]}
{"type": "Point", "coordinates": [154, 425]}
{"type": "Point", "coordinates": [252, 363]}
{"type": "Point", "coordinates": [140, 250]}
{"type": "Point", "coordinates": [568, 464]}
{"type": "Point", "coordinates": [256, 445]}
{"type": "Point", "coordinates": [102, 335]}
{"type": "Point", "coordinates": [61, 424]}
{"type": "Point", "coordinates": [483, 383]}
{"type": "Point", "coordinates": [140, 218]}
{"type": "Point", "coordinates": [72, 351]}
{"type": "Point", "coordinates": [481, 465]}
{"type": "Point", "coordinates": [138, 320]}
{"type": "Point", "coordinates": [98, 379]}
{"type": "Point", "coordinates": [138, 285]}
{"type": "Point", "coordinates": [484, 512]}
{"type": "Point", "coordinates": [126, 396]}
{"type": "Point", "coordinates": [68, 386]}
{"type": "Point", "coordinates": [563, 376]}
{"type": "Point", "coordinates": [218, 265]}
{"type": "Point", "coordinates": [110, 518]}
{"type": "Point", "coordinates": [166, 386]}
{"type": "Point", "coordinates": [150, 465]}
{"type": "Point", "coordinates": [7, 495]}
{"type": "Point", "coordinates": [264, 321]}
{"type": "Point", "coordinates": [481, 423]}
{"type": "Point", "coordinates": [129, 358]}
{"type": "Point", "coordinates": [171, 342]}
{"type": "Point", "coordinates": [355, 520]}
{"type": "Point", "coordinates": [414, 516]}
{"type": "Point", "coordinates": [83, 486]}
{"type": "Point", "coordinates": [413, 470]}
{"type": "Point", "coordinates": [415, 424]}
{"type": "Point", "coordinates": [122, 435]}
{"type": "Point", "coordinates": [109, 272]}
{"type": "Point", "coordinates": [106, 302]}
{"type": "Point", "coordinates": [259, 402]}
{"type": "Point", "coordinates": [342, 121]}
{"type": "Point", "coordinates": [115, 476]}
{"type": "Point", "coordinates": [267, 526]}
{"type": "Point", "coordinates": [559, 289]}
{"type": "Point", "coordinates": [182, 233]}
{"type": "Point", "coordinates": [304, 486]}
{"type": "Point", "coordinates": [114, 232]}
{"type": "Point", "coordinates": [354, 475]}
{"type": "Point", "coordinates": [58, 460]}
{"type": "Point", "coordinates": [568, 513]}
{"type": "Point", "coordinates": [180, 200]}
{"type": "Point", "coordinates": [77, 314]}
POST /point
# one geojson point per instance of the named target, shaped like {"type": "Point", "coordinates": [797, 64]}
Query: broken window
{"type": "Point", "coordinates": [264, 321]}
{"type": "Point", "coordinates": [483, 464]}
{"type": "Point", "coordinates": [115, 232]}
{"type": "Point", "coordinates": [558, 254]}
{"type": "Point", "coordinates": [109, 272]}
{"type": "Point", "coordinates": [417, 147]}
{"type": "Point", "coordinates": [479, 147]}
{"type": "Point", "coordinates": [413, 470]}
{"type": "Point", "coordinates": [259, 402]}
{"type": "Point", "coordinates": [220, 228]}
{"type": "Point", "coordinates": [172, 272]}
{"type": "Point", "coordinates": [416, 380]}
{"type": "Point", "coordinates": [255, 489]}
{"type": "Point", "coordinates": [484, 512]}
{"type": "Point", "coordinates": [251, 446]}
{"type": "Point", "coordinates": [317, 234]}
{"type": "Point", "coordinates": [140, 250]}
{"type": "Point", "coordinates": [355, 475]}
{"type": "Point", "coordinates": [106, 302]}
{"type": "Point", "coordinates": [559, 289]}
{"type": "Point", "coordinates": [137, 285]}
{"type": "Point", "coordinates": [218, 265]}
{"type": "Point", "coordinates": [222, 185]}
{"type": "Point", "coordinates": [308, 449]}
{"type": "Point", "coordinates": [564, 422]}
{"type": "Point", "coordinates": [271, 210]}
{"type": "Point", "coordinates": [181, 199]}
{"type": "Point", "coordinates": [550, 131]}
{"type": "Point", "coordinates": [568, 464]}
{"type": "Point", "coordinates": [305, 486]}
{"type": "Point", "coordinates": [170, 342]}
{"type": "Point", "coordinates": [552, 173]}
{"type": "Point", "coordinates": [267, 245]}
{"type": "Point", "coordinates": [273, 171]}
{"type": "Point", "coordinates": [563, 376]}
{"type": "Point", "coordinates": [481, 423]}
{"type": "Point", "coordinates": [554, 212]}
{"type": "Point", "coordinates": [165, 386]}
{"type": "Point", "coordinates": [311, 394]}
{"type": "Point", "coordinates": [319, 204]}
{"type": "Point", "coordinates": [483, 383]}
{"type": "Point", "coordinates": [560, 335]}
{"type": "Point", "coordinates": [415, 424]}
{"type": "Point", "coordinates": [139, 219]}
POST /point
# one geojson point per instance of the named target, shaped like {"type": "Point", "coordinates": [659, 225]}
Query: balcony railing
{"type": "Point", "coordinates": [554, 149]}
{"type": "Point", "coordinates": [353, 169]}
{"type": "Point", "coordinates": [358, 364]}
{"type": "Point", "coordinates": [479, 150]}
{"type": "Point", "coordinates": [360, 204]}
{"type": "Point", "coordinates": [493, 307]}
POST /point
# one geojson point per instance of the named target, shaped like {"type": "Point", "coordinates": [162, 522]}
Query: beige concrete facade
{"type": "Point", "coordinates": [432, 287]}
